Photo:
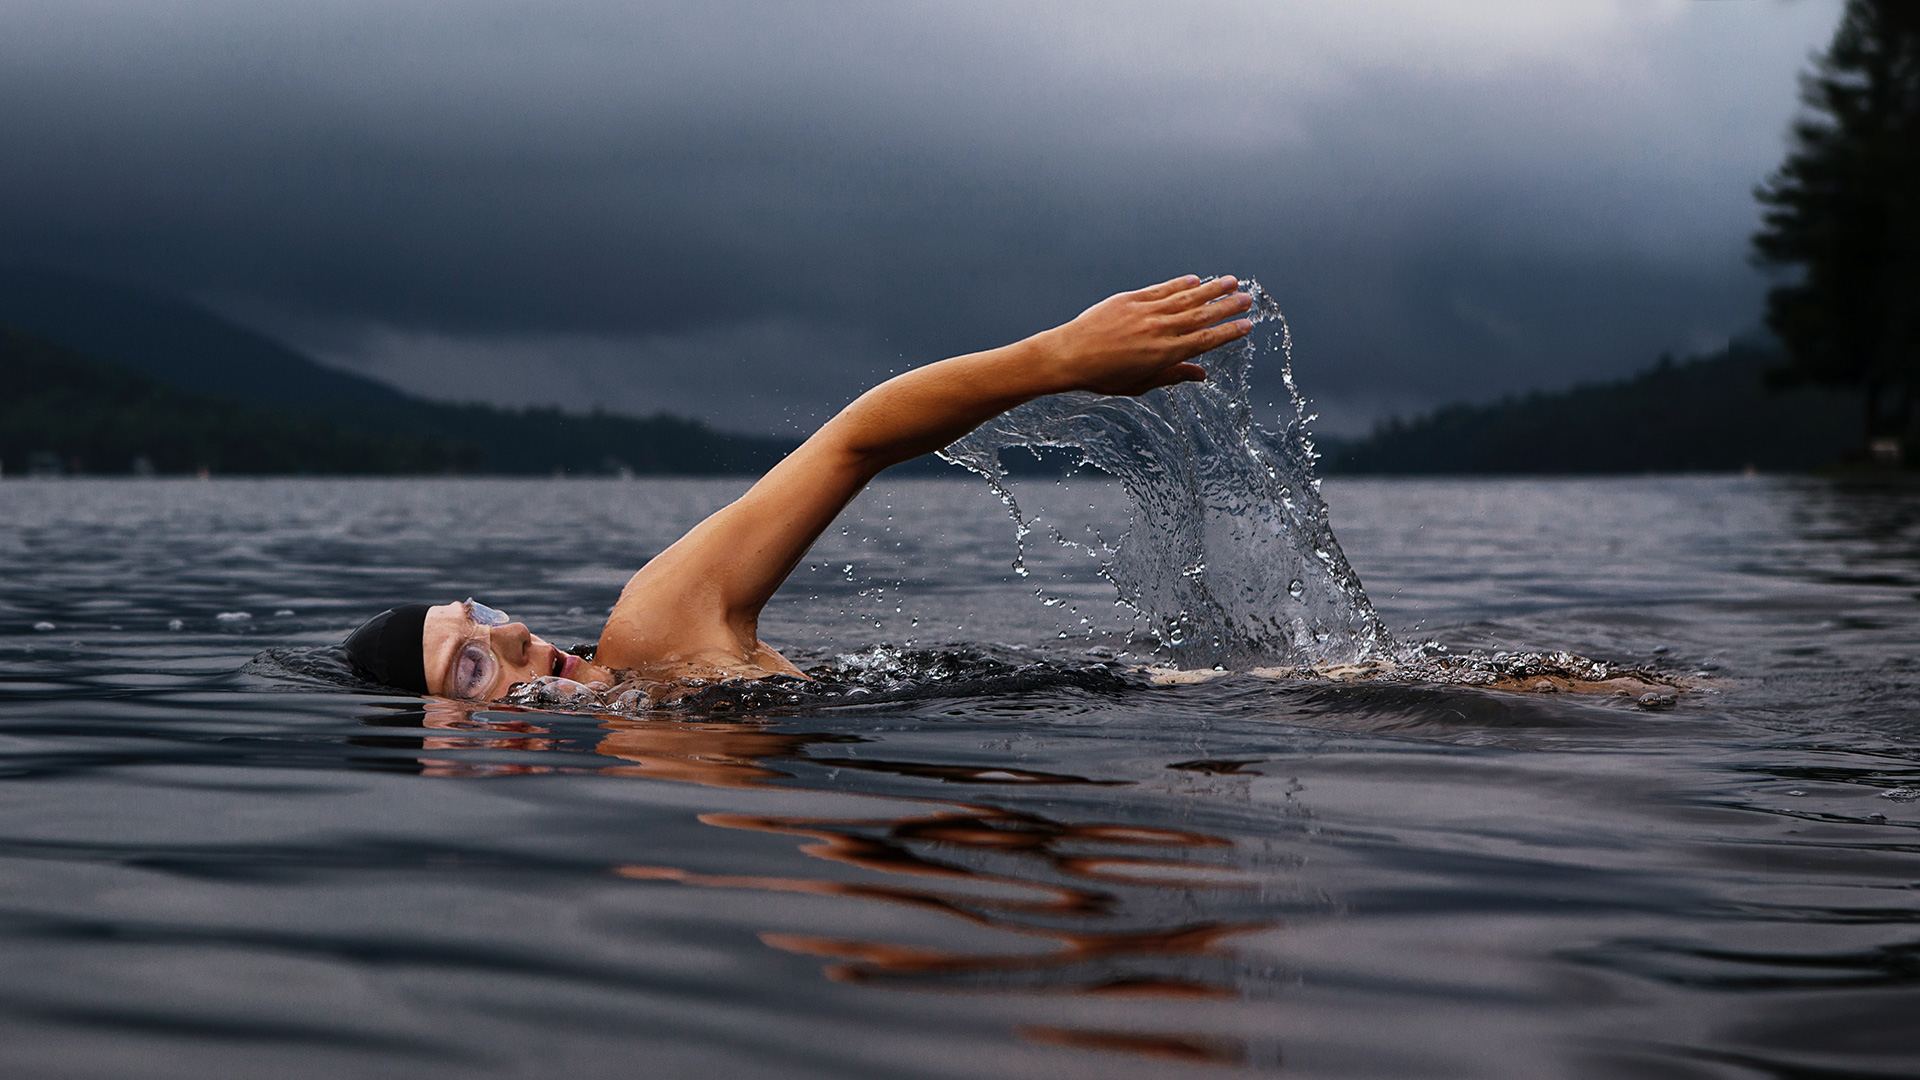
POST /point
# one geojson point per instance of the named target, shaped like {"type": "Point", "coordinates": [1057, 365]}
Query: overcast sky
{"type": "Point", "coordinates": [748, 211]}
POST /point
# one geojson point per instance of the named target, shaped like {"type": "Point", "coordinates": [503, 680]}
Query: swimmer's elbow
{"type": "Point", "coordinates": [851, 443]}
{"type": "Point", "coordinates": [867, 460]}
{"type": "Point", "coordinates": [921, 411]}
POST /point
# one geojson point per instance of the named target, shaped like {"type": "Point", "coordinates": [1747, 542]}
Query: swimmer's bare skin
{"type": "Point", "coordinates": [694, 610]}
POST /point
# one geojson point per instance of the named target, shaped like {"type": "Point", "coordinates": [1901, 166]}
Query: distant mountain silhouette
{"type": "Point", "coordinates": [67, 413]}
{"type": "Point", "coordinates": [178, 343]}
{"type": "Point", "coordinates": [1711, 414]}
{"type": "Point", "coordinates": [186, 346]}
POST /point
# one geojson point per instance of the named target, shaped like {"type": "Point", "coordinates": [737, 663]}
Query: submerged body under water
{"type": "Point", "coordinates": [998, 849]}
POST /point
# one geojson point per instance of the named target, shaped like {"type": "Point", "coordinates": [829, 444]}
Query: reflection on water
{"type": "Point", "coordinates": [1870, 529]}
{"type": "Point", "coordinates": [1006, 857]}
{"type": "Point", "coordinates": [1073, 886]}
{"type": "Point", "coordinates": [1197, 1049]}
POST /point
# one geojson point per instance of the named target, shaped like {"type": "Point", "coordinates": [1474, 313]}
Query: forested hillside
{"type": "Point", "coordinates": [64, 412]}
{"type": "Point", "coordinates": [180, 344]}
{"type": "Point", "coordinates": [1709, 414]}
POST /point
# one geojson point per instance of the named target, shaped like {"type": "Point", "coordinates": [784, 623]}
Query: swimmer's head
{"type": "Point", "coordinates": [466, 650]}
{"type": "Point", "coordinates": [386, 650]}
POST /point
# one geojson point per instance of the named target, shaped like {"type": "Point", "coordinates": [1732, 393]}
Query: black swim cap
{"type": "Point", "coordinates": [387, 649]}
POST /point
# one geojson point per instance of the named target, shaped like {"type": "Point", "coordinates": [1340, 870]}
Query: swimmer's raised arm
{"type": "Point", "coordinates": [699, 601]}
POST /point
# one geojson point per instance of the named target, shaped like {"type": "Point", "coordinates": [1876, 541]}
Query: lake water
{"type": "Point", "coordinates": [1043, 869]}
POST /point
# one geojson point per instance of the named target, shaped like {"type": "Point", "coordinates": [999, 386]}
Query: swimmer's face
{"type": "Point", "coordinates": [472, 652]}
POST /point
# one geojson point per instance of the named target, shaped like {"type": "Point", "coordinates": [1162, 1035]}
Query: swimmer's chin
{"type": "Point", "coordinates": [581, 671]}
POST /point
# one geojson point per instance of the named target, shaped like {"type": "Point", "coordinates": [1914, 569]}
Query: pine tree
{"type": "Point", "coordinates": [1844, 208]}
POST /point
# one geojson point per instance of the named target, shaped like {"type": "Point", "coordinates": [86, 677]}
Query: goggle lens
{"type": "Point", "coordinates": [485, 615]}
{"type": "Point", "coordinates": [474, 670]}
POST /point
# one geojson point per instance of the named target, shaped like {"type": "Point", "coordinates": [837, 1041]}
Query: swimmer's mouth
{"type": "Point", "coordinates": [565, 664]}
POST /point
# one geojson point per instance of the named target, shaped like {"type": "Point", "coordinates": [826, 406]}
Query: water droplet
{"type": "Point", "coordinates": [234, 616]}
{"type": "Point", "coordinates": [176, 624]}
{"type": "Point", "coordinates": [43, 626]}
{"type": "Point", "coordinates": [1296, 588]}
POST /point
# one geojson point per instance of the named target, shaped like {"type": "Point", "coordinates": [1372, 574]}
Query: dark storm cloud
{"type": "Point", "coordinates": [656, 206]}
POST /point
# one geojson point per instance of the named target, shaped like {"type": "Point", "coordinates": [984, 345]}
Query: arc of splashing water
{"type": "Point", "coordinates": [1228, 557]}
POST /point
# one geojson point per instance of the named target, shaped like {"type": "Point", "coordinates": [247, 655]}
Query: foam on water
{"type": "Point", "coordinates": [1228, 557]}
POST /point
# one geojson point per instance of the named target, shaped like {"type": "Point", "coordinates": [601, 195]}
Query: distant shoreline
{"type": "Point", "coordinates": [1711, 414]}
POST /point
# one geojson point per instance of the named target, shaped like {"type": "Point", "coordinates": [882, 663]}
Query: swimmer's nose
{"type": "Point", "coordinates": [513, 641]}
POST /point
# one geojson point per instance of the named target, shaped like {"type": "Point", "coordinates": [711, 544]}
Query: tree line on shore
{"type": "Point", "coordinates": [1708, 414]}
{"type": "Point", "coordinates": [69, 413]}
{"type": "Point", "coordinates": [1842, 225]}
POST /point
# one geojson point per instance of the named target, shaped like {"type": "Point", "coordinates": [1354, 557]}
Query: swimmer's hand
{"type": "Point", "coordinates": [1138, 341]}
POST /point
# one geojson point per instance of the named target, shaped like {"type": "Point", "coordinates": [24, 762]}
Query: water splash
{"type": "Point", "coordinates": [1228, 558]}
{"type": "Point", "coordinates": [876, 675]}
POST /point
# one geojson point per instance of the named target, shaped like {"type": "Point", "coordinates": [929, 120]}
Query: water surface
{"type": "Point", "coordinates": [1038, 868]}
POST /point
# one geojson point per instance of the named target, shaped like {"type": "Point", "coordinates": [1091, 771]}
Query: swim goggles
{"type": "Point", "coordinates": [475, 667]}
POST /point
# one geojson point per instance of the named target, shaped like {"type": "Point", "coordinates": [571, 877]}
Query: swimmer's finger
{"type": "Point", "coordinates": [1226, 307]}
{"type": "Point", "coordinates": [1205, 292]}
{"type": "Point", "coordinates": [1167, 288]}
{"type": "Point", "coordinates": [1215, 336]}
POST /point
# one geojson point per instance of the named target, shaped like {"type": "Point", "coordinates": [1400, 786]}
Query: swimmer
{"type": "Point", "coordinates": [693, 611]}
